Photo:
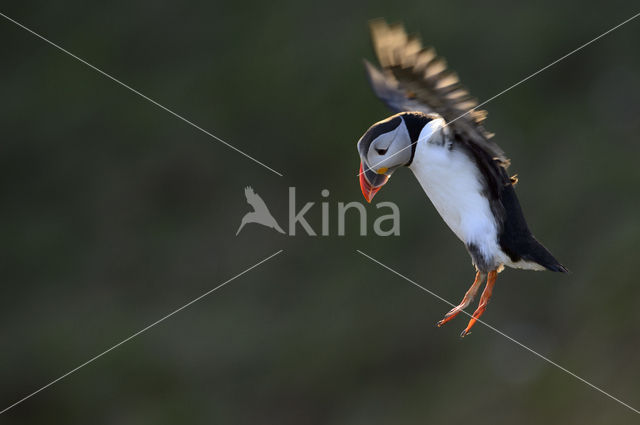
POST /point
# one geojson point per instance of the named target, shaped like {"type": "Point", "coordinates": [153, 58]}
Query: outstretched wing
{"type": "Point", "coordinates": [255, 201]}
{"type": "Point", "coordinates": [414, 78]}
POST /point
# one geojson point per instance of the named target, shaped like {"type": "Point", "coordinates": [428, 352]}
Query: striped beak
{"type": "Point", "coordinates": [370, 181]}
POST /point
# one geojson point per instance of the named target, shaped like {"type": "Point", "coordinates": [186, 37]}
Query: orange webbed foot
{"type": "Point", "coordinates": [482, 305]}
{"type": "Point", "coordinates": [468, 298]}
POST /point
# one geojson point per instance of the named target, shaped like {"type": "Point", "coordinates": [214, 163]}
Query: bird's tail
{"type": "Point", "coordinates": [541, 255]}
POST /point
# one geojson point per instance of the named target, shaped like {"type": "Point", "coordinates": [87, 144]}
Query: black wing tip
{"type": "Point", "coordinates": [537, 253]}
{"type": "Point", "coordinates": [558, 268]}
{"type": "Point", "coordinates": [543, 257]}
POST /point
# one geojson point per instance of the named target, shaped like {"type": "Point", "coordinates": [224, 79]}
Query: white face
{"type": "Point", "coordinates": [389, 151]}
{"type": "Point", "coordinates": [387, 145]}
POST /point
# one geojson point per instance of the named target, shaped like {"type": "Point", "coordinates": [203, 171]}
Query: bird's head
{"type": "Point", "coordinates": [390, 144]}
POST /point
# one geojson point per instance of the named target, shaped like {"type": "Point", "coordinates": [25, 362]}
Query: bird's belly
{"type": "Point", "coordinates": [463, 209]}
{"type": "Point", "coordinates": [455, 190]}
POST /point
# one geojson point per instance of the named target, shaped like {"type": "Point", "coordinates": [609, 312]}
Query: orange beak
{"type": "Point", "coordinates": [368, 188]}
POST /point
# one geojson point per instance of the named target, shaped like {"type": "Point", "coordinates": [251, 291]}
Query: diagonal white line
{"type": "Point", "coordinates": [517, 84]}
{"type": "Point", "coordinates": [502, 333]}
{"type": "Point", "coordinates": [91, 360]}
{"type": "Point", "coordinates": [548, 66]}
{"type": "Point", "coordinates": [139, 94]}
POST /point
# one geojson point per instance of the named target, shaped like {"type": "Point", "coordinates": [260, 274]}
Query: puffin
{"type": "Point", "coordinates": [438, 134]}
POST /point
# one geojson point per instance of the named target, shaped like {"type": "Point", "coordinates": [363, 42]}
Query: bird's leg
{"type": "Point", "coordinates": [484, 300]}
{"type": "Point", "coordinates": [468, 297]}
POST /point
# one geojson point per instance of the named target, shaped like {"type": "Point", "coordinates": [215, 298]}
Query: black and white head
{"type": "Point", "coordinates": [390, 144]}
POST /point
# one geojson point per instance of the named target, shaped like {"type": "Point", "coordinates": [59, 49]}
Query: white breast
{"type": "Point", "coordinates": [452, 182]}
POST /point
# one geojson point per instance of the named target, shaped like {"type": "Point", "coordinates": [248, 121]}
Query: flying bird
{"type": "Point", "coordinates": [439, 135]}
{"type": "Point", "coordinates": [260, 213]}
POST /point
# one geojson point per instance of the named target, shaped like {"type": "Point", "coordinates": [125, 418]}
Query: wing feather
{"type": "Point", "coordinates": [415, 78]}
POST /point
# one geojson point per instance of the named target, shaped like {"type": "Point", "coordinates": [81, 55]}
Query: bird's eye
{"type": "Point", "coordinates": [381, 151]}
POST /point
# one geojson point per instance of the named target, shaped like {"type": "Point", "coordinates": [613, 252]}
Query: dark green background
{"type": "Point", "coordinates": [113, 213]}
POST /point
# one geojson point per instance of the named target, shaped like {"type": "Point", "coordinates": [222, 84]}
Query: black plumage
{"type": "Point", "coordinates": [415, 80]}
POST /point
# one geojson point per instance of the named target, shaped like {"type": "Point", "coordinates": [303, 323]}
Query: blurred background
{"type": "Point", "coordinates": [114, 213]}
